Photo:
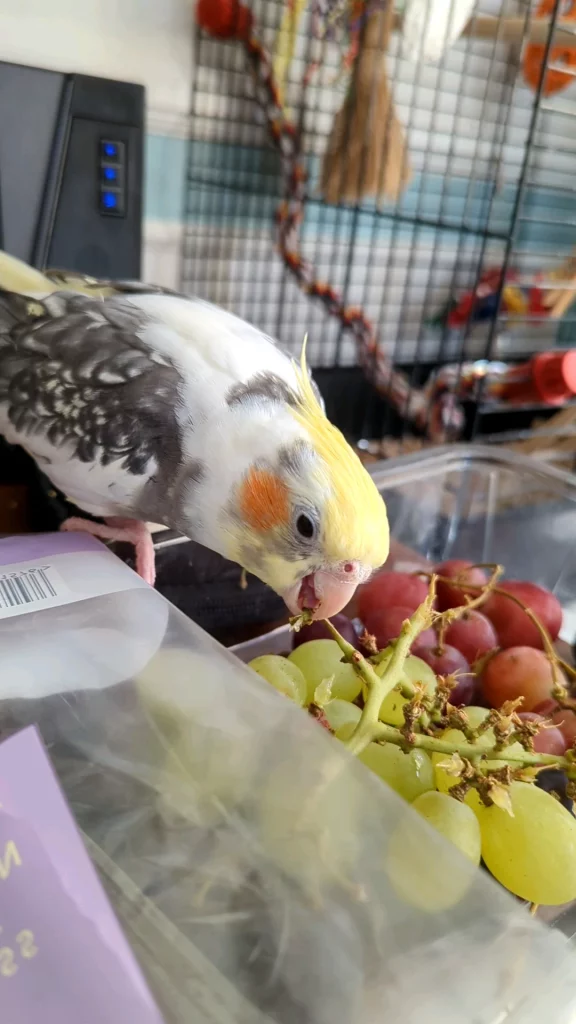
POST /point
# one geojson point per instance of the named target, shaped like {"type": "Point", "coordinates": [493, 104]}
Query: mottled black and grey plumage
{"type": "Point", "coordinates": [98, 287]}
{"type": "Point", "coordinates": [107, 385]}
{"type": "Point", "coordinates": [73, 369]}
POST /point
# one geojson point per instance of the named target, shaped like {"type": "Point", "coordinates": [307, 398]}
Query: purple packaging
{"type": "Point", "coordinates": [63, 956]}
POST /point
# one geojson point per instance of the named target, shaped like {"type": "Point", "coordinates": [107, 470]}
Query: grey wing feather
{"type": "Point", "coordinates": [74, 369]}
{"type": "Point", "coordinates": [67, 279]}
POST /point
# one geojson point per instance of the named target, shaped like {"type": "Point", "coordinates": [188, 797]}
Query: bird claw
{"type": "Point", "coordinates": [127, 531]}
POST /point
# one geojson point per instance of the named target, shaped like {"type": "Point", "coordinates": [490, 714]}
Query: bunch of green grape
{"type": "Point", "coordinates": [531, 851]}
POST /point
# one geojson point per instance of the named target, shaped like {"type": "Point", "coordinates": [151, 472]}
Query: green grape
{"type": "Point", "coordinates": [445, 781]}
{"type": "Point", "coordinates": [419, 869]}
{"type": "Point", "coordinates": [475, 715]}
{"type": "Point", "coordinates": [341, 712]}
{"type": "Point", "coordinates": [309, 826]}
{"type": "Point", "coordinates": [163, 686]}
{"type": "Point", "coordinates": [202, 764]}
{"type": "Point", "coordinates": [408, 774]}
{"type": "Point", "coordinates": [282, 675]}
{"type": "Point", "coordinates": [454, 820]}
{"type": "Point", "coordinates": [320, 659]}
{"type": "Point", "coordinates": [204, 777]}
{"type": "Point", "coordinates": [533, 852]}
{"type": "Point", "coordinates": [415, 671]}
{"type": "Point", "coordinates": [344, 731]}
{"type": "Point", "coordinates": [347, 684]}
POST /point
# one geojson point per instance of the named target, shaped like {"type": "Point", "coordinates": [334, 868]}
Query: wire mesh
{"type": "Point", "coordinates": [492, 162]}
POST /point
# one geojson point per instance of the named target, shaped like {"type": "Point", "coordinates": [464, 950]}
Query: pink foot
{"type": "Point", "coordinates": [129, 531]}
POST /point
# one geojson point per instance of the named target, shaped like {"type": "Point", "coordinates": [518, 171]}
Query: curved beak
{"type": "Point", "coordinates": [323, 592]}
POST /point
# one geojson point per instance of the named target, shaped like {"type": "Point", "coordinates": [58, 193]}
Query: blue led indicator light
{"type": "Point", "coordinates": [109, 200]}
{"type": "Point", "coordinates": [110, 174]}
{"type": "Point", "coordinates": [110, 149]}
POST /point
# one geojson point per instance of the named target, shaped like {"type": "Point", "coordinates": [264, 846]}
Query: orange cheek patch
{"type": "Point", "coordinates": [264, 500]}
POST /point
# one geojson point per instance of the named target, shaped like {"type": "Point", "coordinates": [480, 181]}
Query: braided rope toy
{"type": "Point", "coordinates": [433, 409]}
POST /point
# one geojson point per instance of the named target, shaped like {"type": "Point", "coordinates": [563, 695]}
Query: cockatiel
{"type": "Point", "coordinates": [142, 406]}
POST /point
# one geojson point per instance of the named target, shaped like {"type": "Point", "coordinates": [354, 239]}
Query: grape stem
{"type": "Point", "coordinates": [452, 614]}
{"type": "Point", "coordinates": [388, 734]}
{"type": "Point", "coordinates": [446, 618]}
{"type": "Point", "coordinates": [370, 729]}
{"type": "Point", "coordinates": [484, 589]}
{"type": "Point", "coordinates": [568, 669]}
{"type": "Point", "coordinates": [380, 686]}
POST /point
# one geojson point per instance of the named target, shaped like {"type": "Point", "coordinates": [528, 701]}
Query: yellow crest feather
{"type": "Point", "coordinates": [355, 521]}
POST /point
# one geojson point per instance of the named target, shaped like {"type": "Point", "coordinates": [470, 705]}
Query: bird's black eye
{"type": "Point", "coordinates": [305, 526]}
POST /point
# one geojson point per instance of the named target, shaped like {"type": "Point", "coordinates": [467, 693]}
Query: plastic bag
{"type": "Point", "coordinates": [253, 865]}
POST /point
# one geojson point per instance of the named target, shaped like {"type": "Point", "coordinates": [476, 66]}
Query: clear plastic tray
{"type": "Point", "coordinates": [485, 503]}
{"type": "Point", "coordinates": [489, 506]}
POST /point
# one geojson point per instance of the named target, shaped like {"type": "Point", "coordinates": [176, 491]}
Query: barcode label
{"type": "Point", "coordinates": [23, 589]}
{"type": "Point", "coordinates": [53, 580]}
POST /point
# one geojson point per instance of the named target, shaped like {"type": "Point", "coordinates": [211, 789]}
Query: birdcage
{"type": "Point", "coordinates": [398, 182]}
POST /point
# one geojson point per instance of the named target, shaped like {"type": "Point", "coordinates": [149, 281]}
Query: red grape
{"type": "Point", "coordinates": [445, 661]}
{"type": "Point", "coordinates": [450, 595]}
{"type": "Point", "coordinates": [518, 672]}
{"type": "Point", "coordinates": [390, 590]}
{"type": "Point", "coordinates": [566, 722]}
{"type": "Point", "coordinates": [386, 624]}
{"type": "Point", "coordinates": [319, 631]}
{"type": "Point", "coordinates": [473, 635]}
{"type": "Point", "coordinates": [547, 741]}
{"type": "Point", "coordinates": [465, 692]}
{"type": "Point", "coordinates": [547, 707]}
{"type": "Point", "coordinates": [512, 625]}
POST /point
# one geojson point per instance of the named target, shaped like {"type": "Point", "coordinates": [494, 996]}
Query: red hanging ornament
{"type": "Point", "coordinates": [555, 80]}
{"type": "Point", "coordinates": [225, 19]}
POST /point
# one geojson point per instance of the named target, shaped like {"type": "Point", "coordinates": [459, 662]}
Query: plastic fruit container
{"type": "Point", "coordinates": [486, 505]}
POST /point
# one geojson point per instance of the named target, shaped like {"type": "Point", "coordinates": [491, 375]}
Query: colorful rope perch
{"type": "Point", "coordinates": [438, 414]}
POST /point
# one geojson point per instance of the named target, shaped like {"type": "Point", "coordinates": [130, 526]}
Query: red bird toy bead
{"type": "Point", "coordinates": [225, 19]}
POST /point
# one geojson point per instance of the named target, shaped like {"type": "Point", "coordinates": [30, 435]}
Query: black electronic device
{"type": "Point", "coordinates": [71, 171]}
{"type": "Point", "coordinates": [71, 177]}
